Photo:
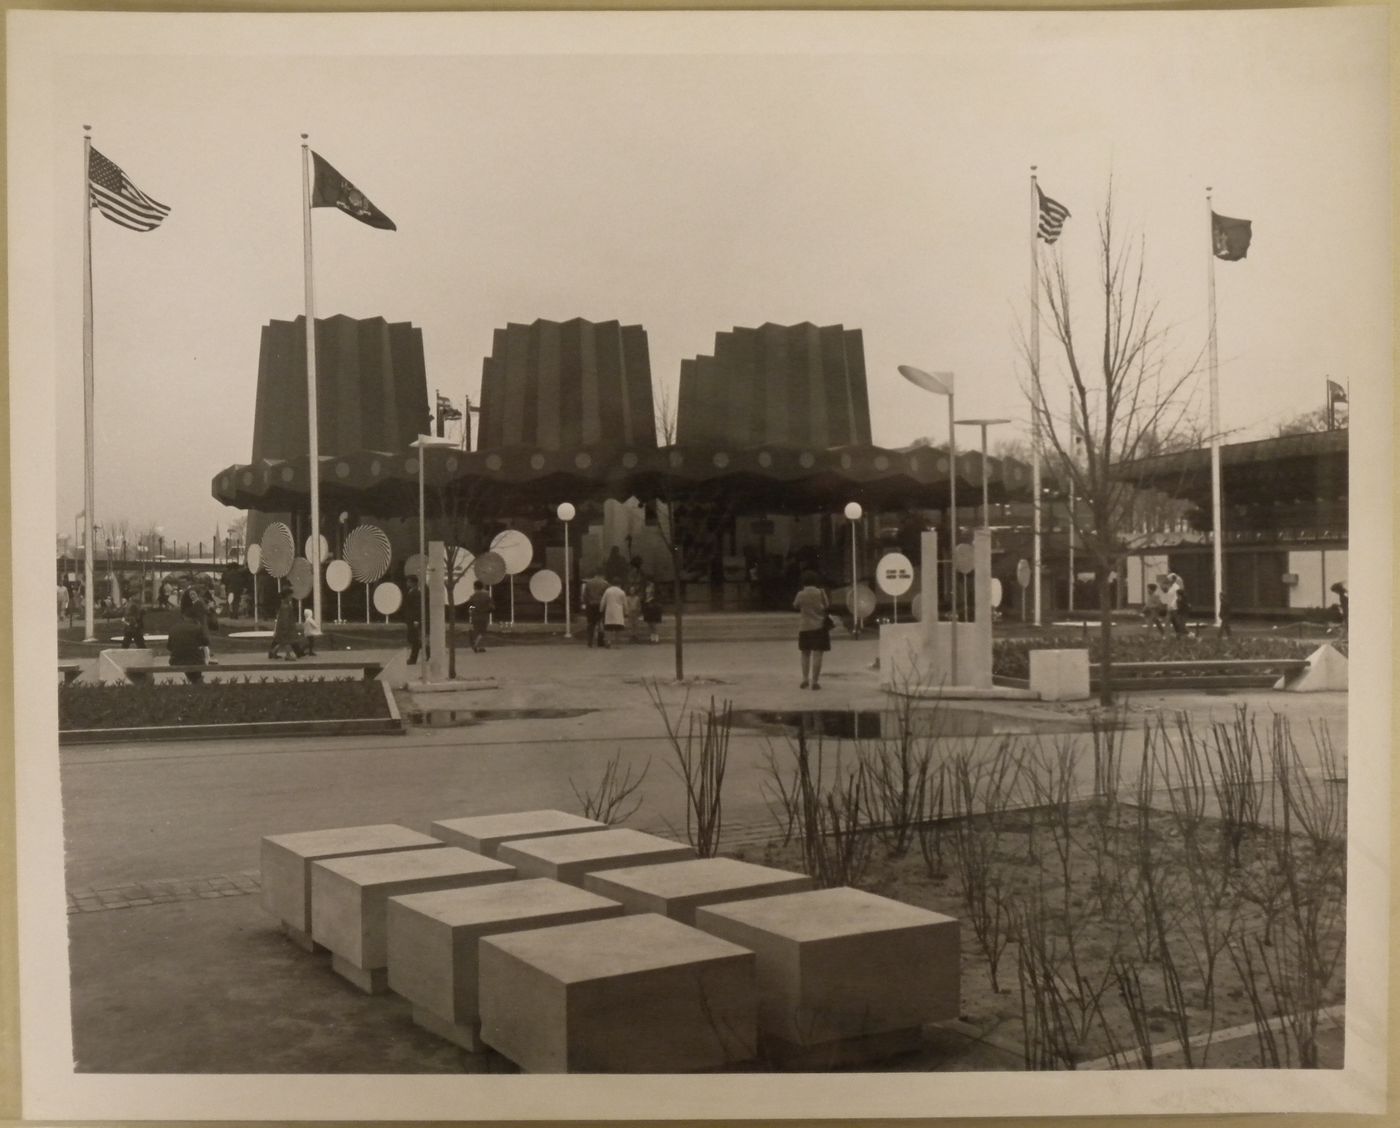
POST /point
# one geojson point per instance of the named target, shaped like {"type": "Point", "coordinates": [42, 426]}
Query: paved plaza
{"type": "Point", "coordinates": [169, 938]}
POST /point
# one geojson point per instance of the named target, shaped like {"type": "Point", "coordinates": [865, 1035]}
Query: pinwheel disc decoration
{"type": "Point", "coordinates": [299, 576]}
{"type": "Point", "coordinates": [278, 550]}
{"type": "Point", "coordinates": [368, 553]}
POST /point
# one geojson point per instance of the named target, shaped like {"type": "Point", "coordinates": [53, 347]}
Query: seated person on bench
{"type": "Point", "coordinates": [189, 641]}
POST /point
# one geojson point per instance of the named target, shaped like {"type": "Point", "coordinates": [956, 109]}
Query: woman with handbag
{"type": "Point", "coordinates": [813, 629]}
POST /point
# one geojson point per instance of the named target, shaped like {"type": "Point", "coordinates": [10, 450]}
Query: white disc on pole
{"type": "Point", "coordinates": [916, 608]}
{"type": "Point", "coordinates": [464, 568]}
{"type": "Point", "coordinates": [387, 598]}
{"type": "Point", "coordinates": [515, 549]}
{"type": "Point", "coordinates": [490, 568]}
{"type": "Point", "coordinates": [894, 573]}
{"type": "Point", "coordinates": [996, 592]}
{"type": "Point", "coordinates": [545, 585]}
{"type": "Point", "coordinates": [254, 557]}
{"type": "Point", "coordinates": [964, 559]}
{"type": "Point", "coordinates": [338, 575]}
{"type": "Point", "coordinates": [1023, 573]}
{"type": "Point", "coordinates": [865, 600]}
{"type": "Point", "coordinates": [413, 566]}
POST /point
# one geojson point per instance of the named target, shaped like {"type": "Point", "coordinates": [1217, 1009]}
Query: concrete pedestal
{"type": "Point", "coordinates": [486, 833]}
{"type": "Point", "coordinates": [113, 664]}
{"type": "Point", "coordinates": [843, 975]}
{"type": "Point", "coordinates": [433, 939]}
{"type": "Point", "coordinates": [677, 889]}
{"type": "Point", "coordinates": [1060, 675]}
{"type": "Point", "coordinates": [637, 994]}
{"type": "Point", "coordinates": [568, 857]}
{"type": "Point", "coordinates": [287, 860]}
{"type": "Point", "coordinates": [1327, 670]}
{"type": "Point", "coordinates": [349, 901]}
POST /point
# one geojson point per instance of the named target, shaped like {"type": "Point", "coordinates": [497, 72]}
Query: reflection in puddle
{"type": "Point", "coordinates": [871, 724]}
{"type": "Point", "coordinates": [459, 718]}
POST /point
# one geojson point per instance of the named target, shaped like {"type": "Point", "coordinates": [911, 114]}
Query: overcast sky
{"type": "Point", "coordinates": [690, 176]}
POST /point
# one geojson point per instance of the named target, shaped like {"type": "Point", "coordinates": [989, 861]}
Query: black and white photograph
{"type": "Point", "coordinates": [706, 565]}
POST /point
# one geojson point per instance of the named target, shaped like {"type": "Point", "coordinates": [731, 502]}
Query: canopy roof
{"type": "Point", "coordinates": [519, 481]}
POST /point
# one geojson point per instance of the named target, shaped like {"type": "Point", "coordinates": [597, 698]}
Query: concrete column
{"type": "Point", "coordinates": [437, 611]}
{"type": "Point", "coordinates": [928, 576]}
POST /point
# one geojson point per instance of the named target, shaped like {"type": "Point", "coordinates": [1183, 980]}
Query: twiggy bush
{"type": "Point", "coordinates": [824, 807]}
{"type": "Point", "coordinates": [614, 798]}
{"type": "Point", "coordinates": [897, 767]}
{"type": "Point", "coordinates": [700, 752]}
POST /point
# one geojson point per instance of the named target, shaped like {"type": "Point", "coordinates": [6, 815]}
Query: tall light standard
{"type": "Point", "coordinates": [853, 515]}
{"type": "Point", "coordinates": [422, 443]}
{"type": "Point", "coordinates": [984, 424]}
{"type": "Point", "coordinates": [566, 513]}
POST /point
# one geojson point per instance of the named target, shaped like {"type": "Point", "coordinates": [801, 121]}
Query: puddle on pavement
{"type": "Point", "coordinates": [459, 718]}
{"type": "Point", "coordinates": [871, 724]}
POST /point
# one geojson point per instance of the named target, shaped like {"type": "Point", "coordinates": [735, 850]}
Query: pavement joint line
{"type": "Point", "coordinates": [163, 891]}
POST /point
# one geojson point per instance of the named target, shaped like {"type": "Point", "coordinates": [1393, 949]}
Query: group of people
{"type": "Point", "coordinates": [293, 637]}
{"type": "Point", "coordinates": [1166, 608]}
{"type": "Point", "coordinates": [620, 598]}
{"type": "Point", "coordinates": [479, 608]}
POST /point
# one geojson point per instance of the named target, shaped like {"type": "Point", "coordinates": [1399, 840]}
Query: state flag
{"type": "Point", "coordinates": [331, 190]}
{"type": "Point", "coordinates": [1230, 237]}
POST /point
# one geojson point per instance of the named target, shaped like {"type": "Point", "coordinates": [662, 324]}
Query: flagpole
{"type": "Point", "coordinates": [1035, 393]}
{"type": "Point", "coordinates": [89, 627]}
{"type": "Point", "coordinates": [1217, 533]}
{"type": "Point", "coordinates": [314, 465]}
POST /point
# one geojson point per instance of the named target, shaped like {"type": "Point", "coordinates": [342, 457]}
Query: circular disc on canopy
{"type": "Point", "coordinates": [964, 559]}
{"type": "Point", "coordinates": [490, 568]}
{"type": "Point", "coordinates": [254, 557]}
{"type": "Point", "coordinates": [515, 549]}
{"type": "Point", "coordinates": [387, 598]}
{"type": "Point", "coordinates": [338, 575]}
{"type": "Point", "coordinates": [278, 549]}
{"type": "Point", "coordinates": [325, 547]}
{"type": "Point", "coordinates": [368, 553]}
{"type": "Point", "coordinates": [546, 585]}
{"type": "Point", "coordinates": [463, 567]}
{"type": "Point", "coordinates": [299, 576]}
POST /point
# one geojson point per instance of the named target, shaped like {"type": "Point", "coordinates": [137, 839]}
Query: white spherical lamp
{"type": "Point", "coordinates": [566, 511]}
{"type": "Point", "coordinates": [853, 511]}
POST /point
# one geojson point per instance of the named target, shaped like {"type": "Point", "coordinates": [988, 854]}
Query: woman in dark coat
{"type": "Point", "coordinates": [286, 631]}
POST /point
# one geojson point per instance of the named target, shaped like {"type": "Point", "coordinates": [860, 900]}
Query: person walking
{"type": "Point", "coordinates": [189, 642]}
{"type": "Point", "coordinates": [413, 620]}
{"type": "Point", "coordinates": [813, 629]}
{"type": "Point", "coordinates": [1174, 598]}
{"type": "Point", "coordinates": [310, 631]}
{"type": "Point", "coordinates": [479, 608]}
{"type": "Point", "coordinates": [134, 624]}
{"type": "Point", "coordinates": [286, 633]}
{"type": "Point", "coordinates": [1339, 589]}
{"type": "Point", "coordinates": [651, 609]}
{"type": "Point", "coordinates": [593, 589]}
{"type": "Point", "coordinates": [1154, 610]}
{"type": "Point", "coordinates": [612, 610]}
{"type": "Point", "coordinates": [62, 601]}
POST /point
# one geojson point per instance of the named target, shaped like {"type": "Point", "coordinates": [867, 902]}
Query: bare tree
{"type": "Point", "coordinates": [1125, 402]}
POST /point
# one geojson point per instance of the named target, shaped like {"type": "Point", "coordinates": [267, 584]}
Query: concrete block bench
{"type": "Point", "coordinates": [677, 889]}
{"type": "Point", "coordinates": [287, 860]}
{"type": "Point", "coordinates": [844, 976]}
{"type": "Point", "coordinates": [635, 994]}
{"type": "Point", "coordinates": [433, 940]}
{"type": "Point", "coordinates": [70, 671]}
{"type": "Point", "coordinates": [568, 857]}
{"type": "Point", "coordinates": [349, 901]}
{"type": "Point", "coordinates": [486, 833]}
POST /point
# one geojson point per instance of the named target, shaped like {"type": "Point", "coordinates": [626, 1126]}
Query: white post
{"type": "Point", "coordinates": [89, 504]}
{"type": "Point", "coordinates": [1217, 530]}
{"type": "Point", "coordinates": [313, 469]}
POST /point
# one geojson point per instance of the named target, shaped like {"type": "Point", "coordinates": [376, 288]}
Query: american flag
{"type": "Point", "coordinates": [1052, 217]}
{"type": "Point", "coordinates": [116, 197]}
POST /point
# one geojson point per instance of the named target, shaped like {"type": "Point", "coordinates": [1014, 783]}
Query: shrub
{"type": "Point", "coordinates": [155, 705]}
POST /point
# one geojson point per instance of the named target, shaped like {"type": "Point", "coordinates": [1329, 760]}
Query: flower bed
{"type": "Point", "coordinates": [241, 702]}
{"type": "Point", "coordinates": [1011, 656]}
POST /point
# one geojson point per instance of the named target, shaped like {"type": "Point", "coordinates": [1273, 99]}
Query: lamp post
{"type": "Point", "coordinates": [422, 443]}
{"type": "Point", "coordinates": [942, 384]}
{"type": "Point", "coordinates": [853, 515]}
{"type": "Point", "coordinates": [566, 513]}
{"type": "Point", "coordinates": [984, 424]}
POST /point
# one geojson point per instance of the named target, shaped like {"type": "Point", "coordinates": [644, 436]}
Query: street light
{"type": "Point", "coordinates": [566, 513]}
{"type": "Point", "coordinates": [984, 424]}
{"type": "Point", "coordinates": [422, 443]}
{"type": "Point", "coordinates": [853, 515]}
{"type": "Point", "coordinates": [941, 384]}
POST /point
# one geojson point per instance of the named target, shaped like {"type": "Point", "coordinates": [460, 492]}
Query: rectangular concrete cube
{"type": "Point", "coordinates": [568, 857]}
{"type": "Point", "coordinates": [485, 833]}
{"type": "Point", "coordinates": [349, 898]}
{"type": "Point", "coordinates": [843, 976]}
{"type": "Point", "coordinates": [287, 860]}
{"type": "Point", "coordinates": [636, 994]}
{"type": "Point", "coordinates": [433, 938]}
{"type": "Point", "coordinates": [677, 889]}
{"type": "Point", "coordinates": [1060, 675]}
